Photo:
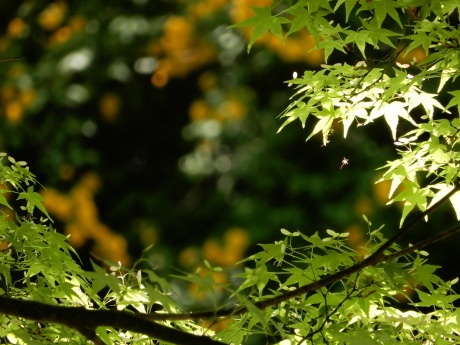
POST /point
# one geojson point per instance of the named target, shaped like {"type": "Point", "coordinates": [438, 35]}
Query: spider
{"type": "Point", "coordinates": [344, 162]}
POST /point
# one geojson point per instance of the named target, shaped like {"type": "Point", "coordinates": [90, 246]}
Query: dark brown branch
{"type": "Point", "coordinates": [90, 334]}
{"type": "Point", "coordinates": [86, 321]}
{"type": "Point", "coordinates": [422, 244]}
{"type": "Point", "coordinates": [405, 229]}
{"type": "Point", "coordinates": [375, 258]}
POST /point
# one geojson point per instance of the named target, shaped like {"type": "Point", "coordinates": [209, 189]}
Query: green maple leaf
{"type": "Point", "coordinates": [381, 9]}
{"type": "Point", "coordinates": [263, 22]}
{"type": "Point", "coordinates": [413, 196]}
{"type": "Point", "coordinates": [3, 200]}
{"type": "Point", "coordinates": [360, 38]}
{"type": "Point", "coordinates": [302, 17]}
{"type": "Point", "coordinates": [349, 5]}
{"type": "Point", "coordinates": [421, 39]}
{"type": "Point", "coordinates": [34, 200]}
{"type": "Point", "coordinates": [455, 101]}
{"type": "Point", "coordinates": [392, 112]}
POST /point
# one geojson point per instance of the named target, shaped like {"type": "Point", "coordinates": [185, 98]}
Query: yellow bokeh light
{"type": "Point", "coordinates": [27, 97]}
{"type": "Point", "coordinates": [236, 238]}
{"type": "Point", "coordinates": [16, 27]}
{"type": "Point", "coordinates": [61, 35]}
{"type": "Point", "coordinates": [79, 211]}
{"type": "Point", "coordinates": [189, 257]}
{"type": "Point", "coordinates": [160, 78]}
{"type": "Point", "coordinates": [236, 241]}
{"type": "Point", "coordinates": [14, 112]}
{"type": "Point", "coordinates": [109, 106]}
{"type": "Point", "coordinates": [363, 206]}
{"type": "Point", "coordinates": [381, 191]}
{"type": "Point", "coordinates": [77, 23]}
{"type": "Point", "coordinates": [199, 110]}
{"type": "Point", "coordinates": [53, 15]}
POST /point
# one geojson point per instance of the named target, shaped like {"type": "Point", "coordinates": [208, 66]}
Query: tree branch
{"type": "Point", "coordinates": [14, 58]}
{"type": "Point", "coordinates": [375, 258]}
{"type": "Point", "coordinates": [422, 244]}
{"type": "Point", "coordinates": [405, 229]}
{"type": "Point", "coordinates": [86, 321]}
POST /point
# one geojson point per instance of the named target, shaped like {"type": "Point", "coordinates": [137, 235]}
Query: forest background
{"type": "Point", "coordinates": [148, 124]}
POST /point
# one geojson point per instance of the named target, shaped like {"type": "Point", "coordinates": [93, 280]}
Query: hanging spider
{"type": "Point", "coordinates": [344, 162]}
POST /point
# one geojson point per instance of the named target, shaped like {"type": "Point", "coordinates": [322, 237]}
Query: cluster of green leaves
{"type": "Point", "coordinates": [372, 23]}
{"type": "Point", "coordinates": [360, 309]}
{"type": "Point", "coordinates": [37, 264]}
{"type": "Point", "coordinates": [350, 299]}
{"type": "Point", "coordinates": [368, 88]}
{"type": "Point", "coordinates": [432, 150]}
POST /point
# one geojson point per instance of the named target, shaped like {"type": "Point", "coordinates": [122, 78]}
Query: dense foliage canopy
{"type": "Point", "coordinates": [301, 289]}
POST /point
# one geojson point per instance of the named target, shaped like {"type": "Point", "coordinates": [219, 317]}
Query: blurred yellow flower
{"type": "Point", "coordinates": [231, 109]}
{"type": "Point", "coordinates": [236, 241]}
{"type": "Point", "coordinates": [178, 34]}
{"type": "Point", "coordinates": [213, 251]}
{"type": "Point", "coordinates": [181, 50]}
{"type": "Point", "coordinates": [16, 27]}
{"type": "Point", "coordinates": [160, 78]}
{"type": "Point", "coordinates": [53, 15]}
{"type": "Point", "coordinates": [109, 106]}
{"type": "Point", "coordinates": [356, 238]}
{"type": "Point", "coordinates": [381, 191]}
{"type": "Point", "coordinates": [241, 9]}
{"type": "Point", "coordinates": [205, 8]}
{"type": "Point", "coordinates": [79, 211]}
{"type": "Point", "coordinates": [189, 257]}
{"type": "Point", "coordinates": [14, 112]}
{"type": "Point", "coordinates": [77, 23]}
{"type": "Point", "coordinates": [61, 35]}
{"type": "Point", "coordinates": [77, 238]}
{"type": "Point", "coordinates": [236, 238]}
{"type": "Point", "coordinates": [297, 48]}
{"type": "Point", "coordinates": [27, 97]}
{"type": "Point", "coordinates": [363, 206]}
{"type": "Point", "coordinates": [7, 93]}
{"type": "Point", "coordinates": [199, 110]}
{"type": "Point", "coordinates": [59, 205]}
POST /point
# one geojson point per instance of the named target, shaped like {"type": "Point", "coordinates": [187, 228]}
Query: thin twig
{"type": "Point", "coordinates": [14, 58]}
